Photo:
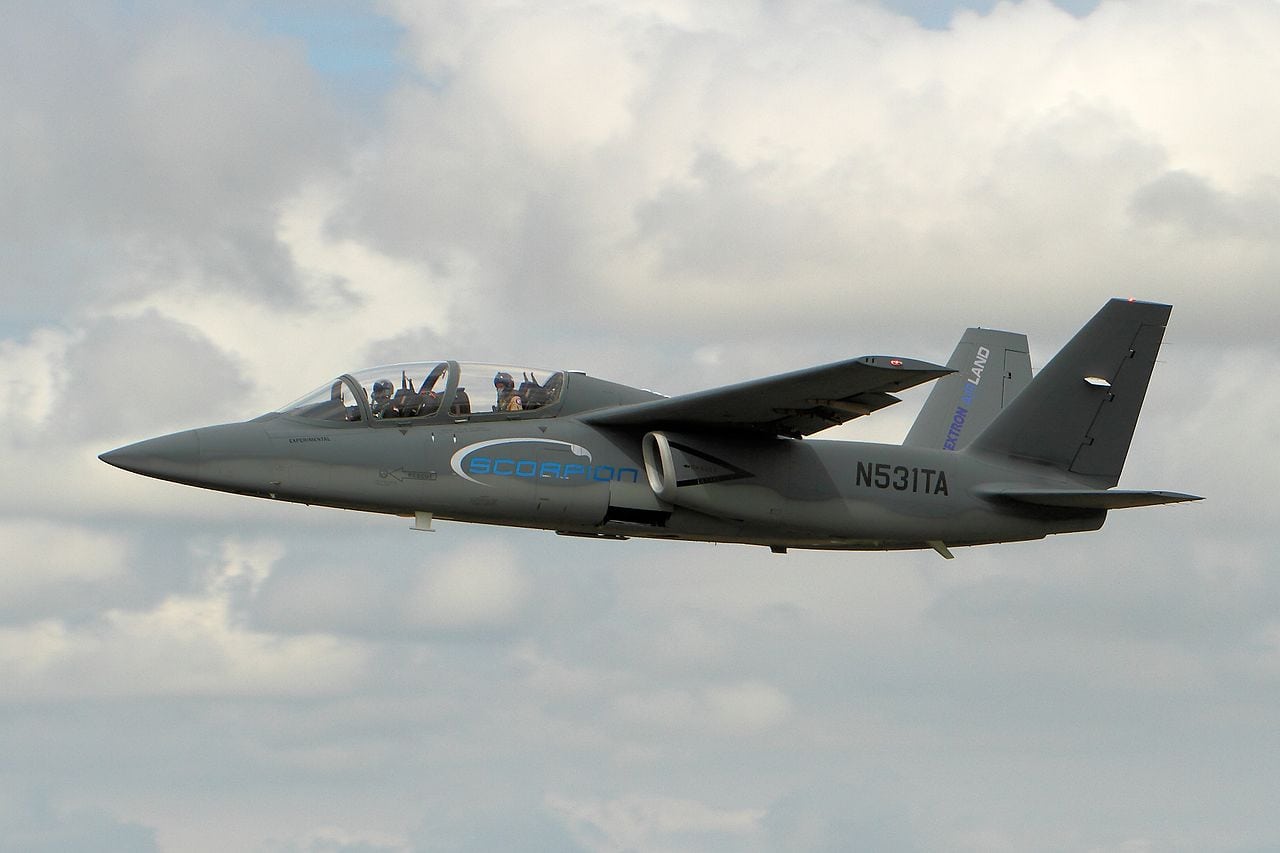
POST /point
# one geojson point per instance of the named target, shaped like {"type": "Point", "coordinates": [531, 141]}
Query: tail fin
{"type": "Point", "coordinates": [1079, 413]}
{"type": "Point", "coordinates": [991, 368]}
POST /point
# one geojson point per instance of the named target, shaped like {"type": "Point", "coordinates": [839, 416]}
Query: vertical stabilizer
{"type": "Point", "coordinates": [991, 368]}
{"type": "Point", "coordinates": [1079, 413]}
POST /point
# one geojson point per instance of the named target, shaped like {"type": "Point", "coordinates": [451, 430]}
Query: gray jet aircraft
{"type": "Point", "coordinates": [994, 456]}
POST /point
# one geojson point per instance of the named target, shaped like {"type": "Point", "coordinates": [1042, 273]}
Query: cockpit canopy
{"type": "Point", "coordinates": [430, 391]}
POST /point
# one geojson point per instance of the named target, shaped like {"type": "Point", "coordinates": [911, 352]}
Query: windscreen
{"type": "Point", "coordinates": [333, 401]}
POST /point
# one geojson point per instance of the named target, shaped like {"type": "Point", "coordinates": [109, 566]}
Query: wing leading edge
{"type": "Point", "coordinates": [794, 404]}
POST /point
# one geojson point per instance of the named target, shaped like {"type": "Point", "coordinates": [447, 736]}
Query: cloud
{"type": "Point", "coordinates": [354, 305]}
{"type": "Point", "coordinates": [796, 173]}
{"type": "Point", "coordinates": [73, 392]}
{"type": "Point", "coordinates": [653, 823]}
{"type": "Point", "coordinates": [827, 809]}
{"type": "Point", "coordinates": [50, 567]}
{"type": "Point", "coordinates": [935, 163]}
{"type": "Point", "coordinates": [481, 827]}
{"type": "Point", "coordinates": [477, 591]}
{"type": "Point", "coordinates": [34, 377]}
{"type": "Point", "coordinates": [144, 376]}
{"type": "Point", "coordinates": [32, 822]}
{"type": "Point", "coordinates": [337, 840]}
{"type": "Point", "coordinates": [155, 144]}
{"type": "Point", "coordinates": [1192, 205]}
{"type": "Point", "coordinates": [676, 195]}
{"type": "Point", "coordinates": [186, 645]}
{"type": "Point", "coordinates": [482, 588]}
{"type": "Point", "coordinates": [741, 709]}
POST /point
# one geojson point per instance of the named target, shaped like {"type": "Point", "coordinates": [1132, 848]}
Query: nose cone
{"type": "Point", "coordinates": [169, 457]}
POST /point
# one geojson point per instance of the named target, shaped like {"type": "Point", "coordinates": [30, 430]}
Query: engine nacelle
{"type": "Point", "coordinates": [712, 478]}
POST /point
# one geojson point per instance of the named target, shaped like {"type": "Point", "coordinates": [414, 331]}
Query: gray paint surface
{"type": "Point", "coordinates": [728, 465]}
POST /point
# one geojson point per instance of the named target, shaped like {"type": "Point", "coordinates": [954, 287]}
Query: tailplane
{"type": "Point", "coordinates": [1079, 413]}
{"type": "Point", "coordinates": [1082, 498]}
{"type": "Point", "coordinates": [991, 368]}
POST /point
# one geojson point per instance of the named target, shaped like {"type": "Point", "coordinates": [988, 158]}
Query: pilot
{"type": "Point", "coordinates": [508, 399]}
{"type": "Point", "coordinates": [380, 400]}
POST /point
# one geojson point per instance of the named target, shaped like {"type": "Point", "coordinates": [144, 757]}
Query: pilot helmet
{"type": "Point", "coordinates": [382, 389]}
{"type": "Point", "coordinates": [502, 379]}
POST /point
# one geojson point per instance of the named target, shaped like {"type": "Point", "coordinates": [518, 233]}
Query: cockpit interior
{"type": "Point", "coordinates": [432, 391]}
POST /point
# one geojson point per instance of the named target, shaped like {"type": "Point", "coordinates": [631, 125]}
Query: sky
{"type": "Point", "coordinates": [212, 208]}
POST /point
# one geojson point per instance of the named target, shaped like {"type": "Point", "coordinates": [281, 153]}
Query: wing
{"type": "Point", "coordinates": [798, 403]}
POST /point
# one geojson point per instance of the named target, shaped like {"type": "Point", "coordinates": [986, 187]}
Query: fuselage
{"type": "Point", "coordinates": [561, 474]}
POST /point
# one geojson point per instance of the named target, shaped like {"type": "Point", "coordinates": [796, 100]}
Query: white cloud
{"type": "Point", "coordinates": [651, 823]}
{"type": "Point", "coordinates": [482, 588]}
{"type": "Point", "coordinates": [144, 376]}
{"type": "Point", "coordinates": [350, 298]}
{"type": "Point", "coordinates": [811, 165]}
{"type": "Point", "coordinates": [750, 706]}
{"type": "Point", "coordinates": [187, 645]}
{"type": "Point", "coordinates": [732, 710]}
{"type": "Point", "coordinates": [30, 821]}
{"type": "Point", "coordinates": [561, 102]}
{"type": "Point", "coordinates": [150, 145]}
{"type": "Point", "coordinates": [332, 839]}
{"type": "Point", "coordinates": [548, 676]}
{"type": "Point", "coordinates": [446, 585]}
{"type": "Point", "coordinates": [34, 374]}
{"type": "Point", "coordinates": [45, 564]}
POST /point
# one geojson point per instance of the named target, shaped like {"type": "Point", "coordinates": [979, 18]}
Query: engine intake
{"type": "Point", "coordinates": [659, 467]}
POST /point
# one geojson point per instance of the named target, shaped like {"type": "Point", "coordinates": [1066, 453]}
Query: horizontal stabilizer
{"type": "Point", "coordinates": [1084, 498]}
